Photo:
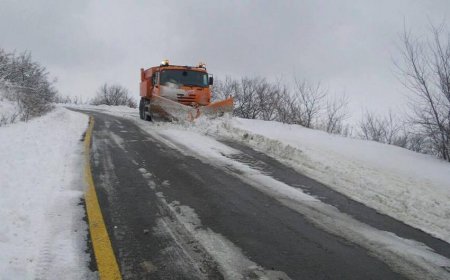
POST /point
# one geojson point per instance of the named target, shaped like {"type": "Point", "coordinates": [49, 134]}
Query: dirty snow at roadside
{"type": "Point", "coordinates": [42, 234]}
{"type": "Point", "coordinates": [408, 186]}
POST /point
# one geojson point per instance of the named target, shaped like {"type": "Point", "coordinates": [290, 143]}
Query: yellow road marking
{"type": "Point", "coordinates": [104, 254]}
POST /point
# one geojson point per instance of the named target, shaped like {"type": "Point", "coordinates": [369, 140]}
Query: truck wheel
{"type": "Point", "coordinates": [141, 109]}
{"type": "Point", "coordinates": [146, 112]}
{"type": "Point", "coordinates": [148, 116]}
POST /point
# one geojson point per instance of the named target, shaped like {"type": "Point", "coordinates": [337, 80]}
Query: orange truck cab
{"type": "Point", "coordinates": [165, 87]}
{"type": "Point", "coordinates": [185, 84]}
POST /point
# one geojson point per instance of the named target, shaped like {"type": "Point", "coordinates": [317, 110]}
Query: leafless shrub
{"type": "Point", "coordinates": [8, 119]}
{"type": "Point", "coordinates": [114, 95]}
{"type": "Point", "coordinates": [417, 142]}
{"type": "Point", "coordinates": [336, 112]}
{"type": "Point", "coordinates": [223, 89]}
{"type": "Point", "coordinates": [246, 99]}
{"type": "Point", "coordinates": [255, 98]}
{"type": "Point", "coordinates": [372, 127]}
{"type": "Point", "coordinates": [388, 129]}
{"type": "Point", "coordinates": [26, 82]}
{"type": "Point", "coordinates": [4, 120]}
{"type": "Point", "coordinates": [63, 99]}
{"type": "Point", "coordinates": [69, 99]}
{"type": "Point", "coordinates": [287, 108]}
{"type": "Point", "coordinates": [309, 100]}
{"type": "Point", "coordinates": [270, 96]}
{"type": "Point", "coordinates": [306, 104]}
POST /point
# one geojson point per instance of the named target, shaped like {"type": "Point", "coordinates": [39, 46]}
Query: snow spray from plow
{"type": "Point", "coordinates": [173, 110]}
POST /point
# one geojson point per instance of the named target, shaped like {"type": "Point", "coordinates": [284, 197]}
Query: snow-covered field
{"type": "Point", "coordinates": [42, 232]}
{"type": "Point", "coordinates": [408, 186]}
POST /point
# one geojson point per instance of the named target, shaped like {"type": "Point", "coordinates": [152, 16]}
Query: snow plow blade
{"type": "Point", "coordinates": [173, 110]}
{"type": "Point", "coordinates": [218, 108]}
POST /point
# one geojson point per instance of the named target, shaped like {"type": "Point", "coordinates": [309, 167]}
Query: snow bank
{"type": "Point", "coordinates": [43, 235]}
{"type": "Point", "coordinates": [408, 257]}
{"type": "Point", "coordinates": [408, 186]}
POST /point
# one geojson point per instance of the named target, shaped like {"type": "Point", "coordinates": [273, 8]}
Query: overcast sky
{"type": "Point", "coordinates": [347, 45]}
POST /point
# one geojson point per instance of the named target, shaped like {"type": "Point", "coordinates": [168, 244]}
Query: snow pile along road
{"type": "Point", "coordinates": [43, 235]}
{"type": "Point", "coordinates": [408, 257]}
{"type": "Point", "coordinates": [408, 186]}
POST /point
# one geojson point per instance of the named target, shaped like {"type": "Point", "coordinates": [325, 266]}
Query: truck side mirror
{"type": "Point", "coordinates": [211, 80]}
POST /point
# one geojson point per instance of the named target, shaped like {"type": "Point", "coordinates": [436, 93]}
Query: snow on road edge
{"type": "Point", "coordinates": [411, 187]}
{"type": "Point", "coordinates": [43, 235]}
{"type": "Point", "coordinates": [408, 257]}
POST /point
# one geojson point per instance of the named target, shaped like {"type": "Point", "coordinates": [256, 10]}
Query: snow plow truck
{"type": "Point", "coordinates": [179, 93]}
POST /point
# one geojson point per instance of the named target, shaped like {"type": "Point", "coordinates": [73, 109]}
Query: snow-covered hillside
{"type": "Point", "coordinates": [408, 186]}
{"type": "Point", "coordinates": [42, 232]}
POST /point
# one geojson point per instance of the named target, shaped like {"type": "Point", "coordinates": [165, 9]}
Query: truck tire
{"type": "Point", "coordinates": [141, 109]}
{"type": "Point", "coordinates": [146, 114]}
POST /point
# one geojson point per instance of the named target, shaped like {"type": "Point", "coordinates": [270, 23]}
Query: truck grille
{"type": "Point", "coordinates": [186, 99]}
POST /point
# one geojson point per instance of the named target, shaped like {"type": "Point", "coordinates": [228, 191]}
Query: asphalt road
{"type": "Point", "coordinates": [172, 216]}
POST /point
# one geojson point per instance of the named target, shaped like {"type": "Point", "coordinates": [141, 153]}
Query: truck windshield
{"type": "Point", "coordinates": [184, 77]}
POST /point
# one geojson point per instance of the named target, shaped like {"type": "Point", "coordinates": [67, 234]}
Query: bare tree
{"type": "Point", "coordinates": [70, 99]}
{"type": "Point", "coordinates": [222, 89]}
{"type": "Point", "coordinates": [309, 100]}
{"type": "Point", "coordinates": [372, 127]}
{"type": "Point", "coordinates": [269, 97]}
{"type": "Point", "coordinates": [425, 67]}
{"type": "Point", "coordinates": [417, 142]}
{"type": "Point", "coordinates": [246, 100]}
{"type": "Point", "coordinates": [255, 98]}
{"type": "Point", "coordinates": [388, 129]}
{"type": "Point", "coordinates": [114, 95]}
{"type": "Point", "coordinates": [286, 106]}
{"type": "Point", "coordinates": [335, 115]}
